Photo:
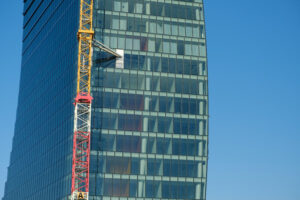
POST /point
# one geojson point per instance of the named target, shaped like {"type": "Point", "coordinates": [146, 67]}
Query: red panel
{"type": "Point", "coordinates": [83, 98]}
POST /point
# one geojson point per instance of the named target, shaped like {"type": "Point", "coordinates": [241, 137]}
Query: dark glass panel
{"type": "Point", "coordinates": [128, 144]}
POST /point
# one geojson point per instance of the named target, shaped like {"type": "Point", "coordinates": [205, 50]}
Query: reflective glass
{"type": "Point", "coordinates": [149, 119]}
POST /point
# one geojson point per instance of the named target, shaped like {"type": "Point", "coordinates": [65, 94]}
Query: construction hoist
{"type": "Point", "coordinates": [83, 102]}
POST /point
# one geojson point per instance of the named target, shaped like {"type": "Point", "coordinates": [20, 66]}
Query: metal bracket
{"type": "Point", "coordinates": [105, 48]}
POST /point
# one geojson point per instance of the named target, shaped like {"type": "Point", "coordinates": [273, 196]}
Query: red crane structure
{"type": "Point", "coordinates": [83, 102]}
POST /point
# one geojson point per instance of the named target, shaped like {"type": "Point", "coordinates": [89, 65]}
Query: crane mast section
{"type": "Point", "coordinates": [83, 103]}
{"type": "Point", "coordinates": [85, 39]}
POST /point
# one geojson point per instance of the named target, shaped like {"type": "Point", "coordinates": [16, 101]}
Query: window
{"type": "Point", "coordinates": [118, 165]}
{"type": "Point", "coordinates": [117, 5]}
{"type": "Point", "coordinates": [138, 8]}
{"type": "Point", "coordinates": [128, 144]}
{"type": "Point", "coordinates": [123, 24]}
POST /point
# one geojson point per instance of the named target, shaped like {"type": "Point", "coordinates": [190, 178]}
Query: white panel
{"type": "Point", "coordinates": [120, 61]}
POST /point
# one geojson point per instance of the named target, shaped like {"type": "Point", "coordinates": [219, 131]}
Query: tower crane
{"type": "Point", "coordinates": [83, 102]}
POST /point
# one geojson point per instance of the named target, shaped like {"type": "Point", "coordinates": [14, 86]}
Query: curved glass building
{"type": "Point", "coordinates": [149, 113]}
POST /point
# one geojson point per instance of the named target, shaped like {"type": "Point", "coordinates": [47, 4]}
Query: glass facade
{"type": "Point", "coordinates": [41, 158]}
{"type": "Point", "coordinates": [149, 119]}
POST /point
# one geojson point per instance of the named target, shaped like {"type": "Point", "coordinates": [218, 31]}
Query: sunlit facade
{"type": "Point", "coordinates": [149, 117]}
{"type": "Point", "coordinates": [149, 130]}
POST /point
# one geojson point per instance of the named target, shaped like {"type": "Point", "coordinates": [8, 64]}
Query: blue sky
{"type": "Point", "coordinates": [254, 88]}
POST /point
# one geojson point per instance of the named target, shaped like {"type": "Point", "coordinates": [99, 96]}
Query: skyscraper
{"type": "Point", "coordinates": [149, 115]}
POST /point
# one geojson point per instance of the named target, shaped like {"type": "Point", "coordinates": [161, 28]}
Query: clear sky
{"type": "Point", "coordinates": [254, 88]}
